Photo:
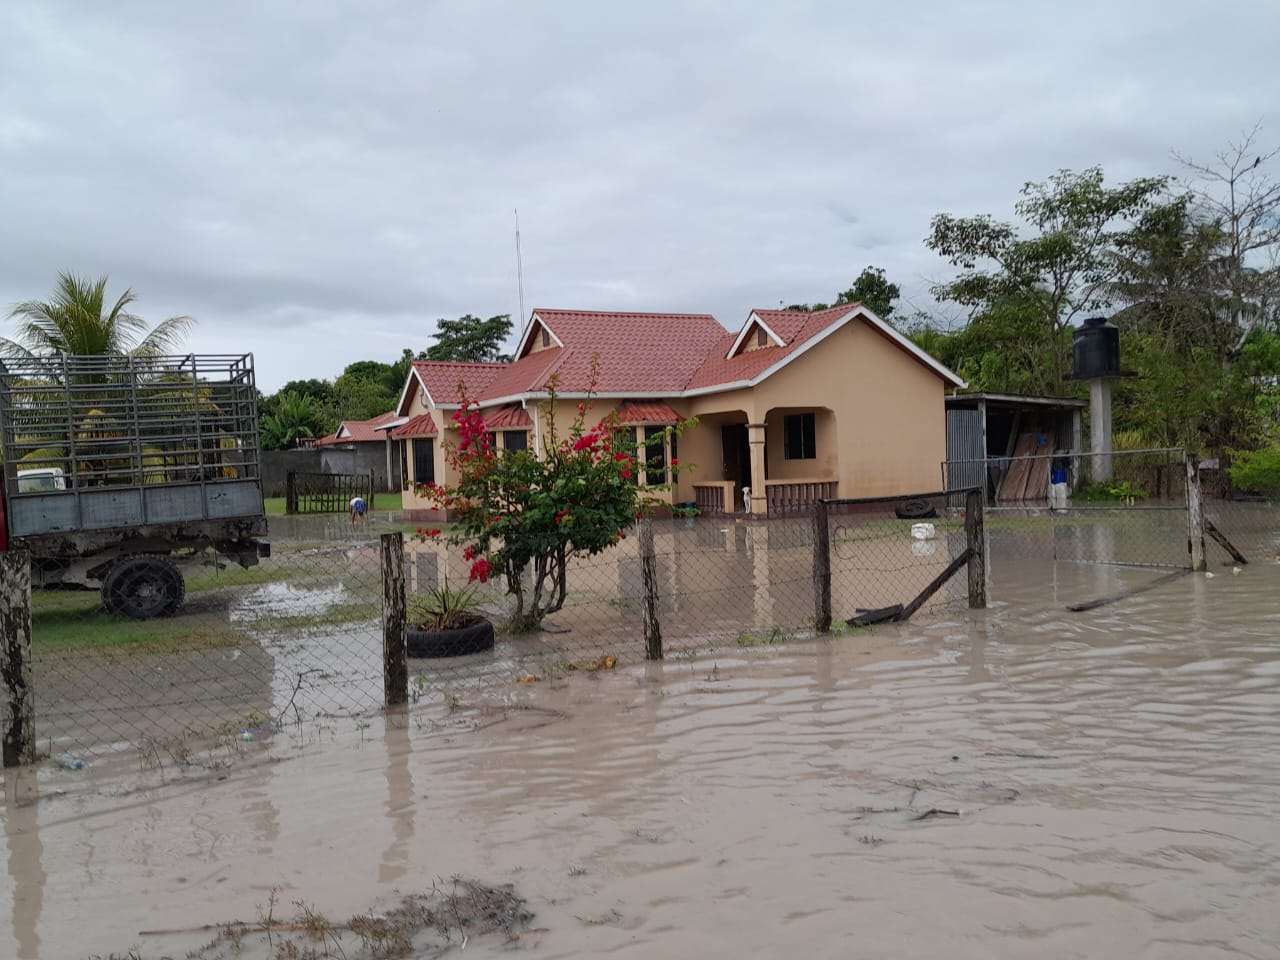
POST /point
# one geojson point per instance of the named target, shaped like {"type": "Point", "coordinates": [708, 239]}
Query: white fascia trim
{"type": "Point", "coordinates": [342, 431]}
{"type": "Point", "coordinates": [813, 341]}
{"type": "Point", "coordinates": [524, 337]}
{"type": "Point", "coordinates": [535, 396]}
{"type": "Point", "coordinates": [391, 425]}
{"type": "Point", "coordinates": [408, 382]}
{"type": "Point", "coordinates": [746, 327]}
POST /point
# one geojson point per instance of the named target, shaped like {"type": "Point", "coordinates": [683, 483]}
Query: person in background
{"type": "Point", "coordinates": [359, 512]}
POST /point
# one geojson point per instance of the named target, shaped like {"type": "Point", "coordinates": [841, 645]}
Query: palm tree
{"type": "Point", "coordinates": [77, 320]}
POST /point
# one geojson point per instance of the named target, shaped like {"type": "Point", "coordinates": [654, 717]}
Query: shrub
{"type": "Point", "coordinates": [515, 511]}
{"type": "Point", "coordinates": [1110, 490]}
{"type": "Point", "coordinates": [1256, 470]}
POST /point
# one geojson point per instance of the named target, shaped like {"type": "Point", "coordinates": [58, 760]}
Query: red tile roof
{"type": "Point", "coordinates": [419, 426]}
{"type": "Point", "coordinates": [631, 411]}
{"type": "Point", "coordinates": [441, 378]}
{"type": "Point", "coordinates": [795, 327]}
{"type": "Point", "coordinates": [359, 431]}
{"type": "Point", "coordinates": [638, 352]}
{"type": "Point", "coordinates": [641, 354]}
{"type": "Point", "coordinates": [508, 418]}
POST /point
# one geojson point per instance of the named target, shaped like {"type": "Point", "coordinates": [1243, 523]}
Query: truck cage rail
{"type": "Point", "coordinates": [129, 440]}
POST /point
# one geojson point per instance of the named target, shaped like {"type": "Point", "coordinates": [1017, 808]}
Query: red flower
{"type": "Point", "coordinates": [626, 473]}
{"type": "Point", "coordinates": [468, 553]}
{"type": "Point", "coordinates": [675, 462]}
{"type": "Point", "coordinates": [481, 569]}
{"type": "Point", "coordinates": [584, 442]}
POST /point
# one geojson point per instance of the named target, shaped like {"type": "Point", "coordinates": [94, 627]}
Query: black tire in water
{"type": "Point", "coordinates": [458, 642]}
{"type": "Point", "coordinates": [143, 587]}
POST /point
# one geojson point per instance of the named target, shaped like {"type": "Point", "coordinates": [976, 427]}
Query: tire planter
{"type": "Point", "coordinates": [457, 642]}
{"type": "Point", "coordinates": [142, 587]}
{"type": "Point", "coordinates": [915, 510]}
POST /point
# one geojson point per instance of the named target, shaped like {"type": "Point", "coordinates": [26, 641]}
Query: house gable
{"type": "Point", "coordinates": [755, 335]}
{"type": "Point", "coordinates": [538, 336]}
{"type": "Point", "coordinates": [800, 332]}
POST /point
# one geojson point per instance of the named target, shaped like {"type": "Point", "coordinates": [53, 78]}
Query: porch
{"type": "Point", "coordinates": [781, 496]}
{"type": "Point", "coordinates": [776, 466]}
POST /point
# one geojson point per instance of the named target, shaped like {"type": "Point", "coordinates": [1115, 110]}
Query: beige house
{"type": "Point", "coordinates": [792, 407]}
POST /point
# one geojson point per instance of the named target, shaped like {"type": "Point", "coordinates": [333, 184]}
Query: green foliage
{"type": "Point", "coordinates": [1055, 272]}
{"type": "Point", "coordinates": [1108, 491]}
{"type": "Point", "coordinates": [872, 289]}
{"type": "Point", "coordinates": [516, 513]}
{"type": "Point", "coordinates": [318, 390]}
{"type": "Point", "coordinates": [470, 339]}
{"type": "Point", "coordinates": [78, 320]}
{"type": "Point", "coordinates": [356, 397]}
{"type": "Point", "coordinates": [295, 416]}
{"type": "Point", "coordinates": [444, 608]}
{"type": "Point", "coordinates": [1256, 470]}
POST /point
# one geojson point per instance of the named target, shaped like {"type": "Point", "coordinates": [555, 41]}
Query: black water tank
{"type": "Point", "coordinates": [1097, 349]}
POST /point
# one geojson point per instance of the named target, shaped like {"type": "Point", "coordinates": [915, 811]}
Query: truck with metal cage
{"type": "Point", "coordinates": [121, 471]}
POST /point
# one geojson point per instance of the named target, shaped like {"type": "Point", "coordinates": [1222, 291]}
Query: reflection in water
{"type": "Point", "coordinates": [26, 858]}
{"type": "Point", "coordinates": [260, 811]}
{"type": "Point", "coordinates": [395, 859]}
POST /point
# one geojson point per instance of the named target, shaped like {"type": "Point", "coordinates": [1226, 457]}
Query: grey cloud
{"type": "Point", "coordinates": [318, 183]}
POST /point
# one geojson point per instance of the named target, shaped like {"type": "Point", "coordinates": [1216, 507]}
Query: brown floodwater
{"type": "Point", "coordinates": [1015, 782]}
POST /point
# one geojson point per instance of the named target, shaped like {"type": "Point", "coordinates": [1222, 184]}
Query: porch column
{"type": "Point", "coordinates": [755, 437]}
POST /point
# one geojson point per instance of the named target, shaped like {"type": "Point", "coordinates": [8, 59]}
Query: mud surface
{"type": "Point", "coordinates": [1016, 782]}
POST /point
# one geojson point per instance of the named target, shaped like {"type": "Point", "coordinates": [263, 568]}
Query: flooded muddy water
{"type": "Point", "coordinates": [1015, 782]}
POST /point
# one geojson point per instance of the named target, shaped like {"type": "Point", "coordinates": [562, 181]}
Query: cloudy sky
{"type": "Point", "coordinates": [317, 182]}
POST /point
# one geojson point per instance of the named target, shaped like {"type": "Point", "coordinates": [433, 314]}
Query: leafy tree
{"type": "Point", "coordinates": [356, 398]}
{"type": "Point", "coordinates": [318, 390]}
{"type": "Point", "coordinates": [873, 289]}
{"type": "Point", "coordinates": [78, 319]}
{"type": "Point", "coordinates": [1057, 271]}
{"type": "Point", "coordinates": [517, 514]}
{"type": "Point", "coordinates": [470, 339]}
{"type": "Point", "coordinates": [295, 416]}
{"type": "Point", "coordinates": [1237, 195]}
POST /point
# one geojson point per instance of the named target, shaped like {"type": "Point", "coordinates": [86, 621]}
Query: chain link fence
{"type": "Point", "coordinates": [296, 637]}
{"type": "Point", "coordinates": [301, 636]}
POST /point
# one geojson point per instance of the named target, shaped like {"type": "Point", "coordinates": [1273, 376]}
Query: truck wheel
{"type": "Point", "coordinates": [143, 587]}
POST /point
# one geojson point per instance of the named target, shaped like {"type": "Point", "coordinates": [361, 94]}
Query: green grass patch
{"type": "Point", "coordinates": [381, 501]}
{"type": "Point", "coordinates": [74, 621]}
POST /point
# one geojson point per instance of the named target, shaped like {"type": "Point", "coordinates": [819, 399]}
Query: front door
{"type": "Point", "coordinates": [737, 459]}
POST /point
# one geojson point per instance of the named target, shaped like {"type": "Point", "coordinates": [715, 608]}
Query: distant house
{"type": "Point", "coordinates": [363, 446]}
{"type": "Point", "coordinates": [791, 407]}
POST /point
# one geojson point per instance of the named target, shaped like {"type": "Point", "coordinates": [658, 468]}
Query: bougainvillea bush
{"type": "Point", "coordinates": [514, 511]}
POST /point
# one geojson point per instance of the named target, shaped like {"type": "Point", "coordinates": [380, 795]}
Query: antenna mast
{"type": "Point", "coordinates": [519, 270]}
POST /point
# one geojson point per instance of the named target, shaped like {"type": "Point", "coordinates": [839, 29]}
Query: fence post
{"type": "Point", "coordinates": [395, 663]}
{"type": "Point", "coordinates": [1195, 515]}
{"type": "Point", "coordinates": [291, 492]}
{"type": "Point", "coordinates": [821, 568]}
{"type": "Point", "coordinates": [15, 658]}
{"type": "Point", "coordinates": [649, 574]}
{"type": "Point", "coordinates": [976, 539]}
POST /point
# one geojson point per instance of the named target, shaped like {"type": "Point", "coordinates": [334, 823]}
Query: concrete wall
{"type": "Point", "coordinates": [353, 458]}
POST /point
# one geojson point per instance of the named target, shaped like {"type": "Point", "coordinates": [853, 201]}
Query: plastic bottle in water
{"type": "Point", "coordinates": [68, 762]}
